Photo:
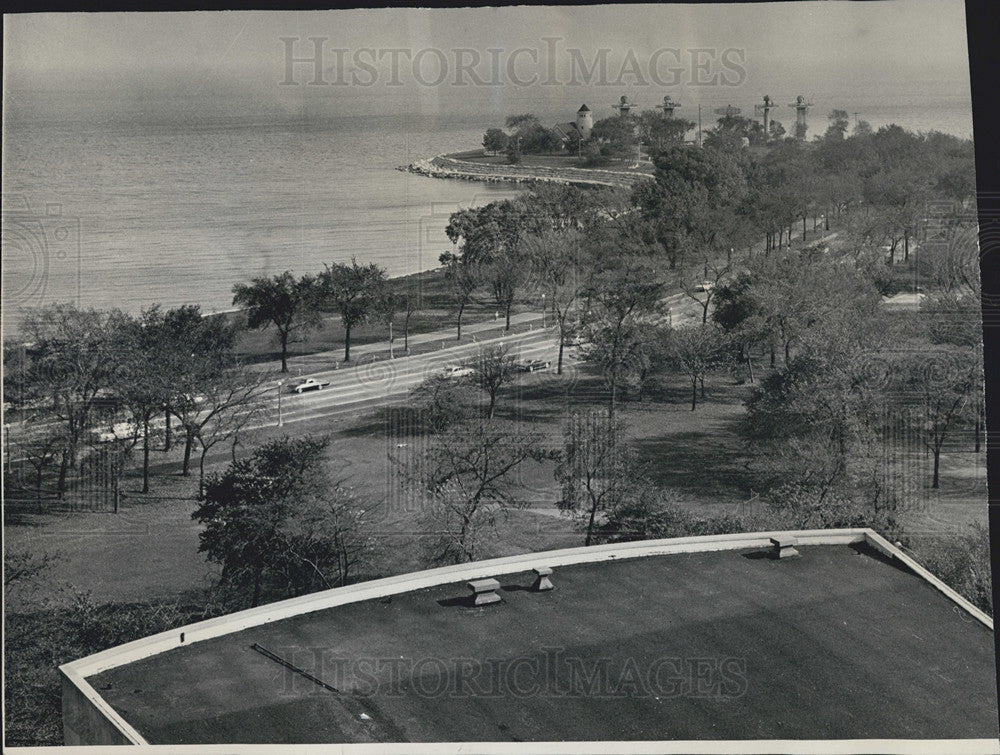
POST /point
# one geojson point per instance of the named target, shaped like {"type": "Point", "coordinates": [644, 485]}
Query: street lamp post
{"type": "Point", "coordinates": [280, 383]}
{"type": "Point", "coordinates": [543, 311]}
{"type": "Point", "coordinates": [6, 437]}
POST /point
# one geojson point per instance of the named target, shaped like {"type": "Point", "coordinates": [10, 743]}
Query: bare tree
{"type": "Point", "coordinates": [73, 359]}
{"type": "Point", "coordinates": [495, 367]}
{"type": "Point", "coordinates": [464, 278]}
{"type": "Point", "coordinates": [696, 351]}
{"type": "Point", "coordinates": [701, 282]}
{"type": "Point", "coordinates": [411, 304]}
{"type": "Point", "coordinates": [555, 256]}
{"type": "Point", "coordinates": [596, 469]}
{"type": "Point", "coordinates": [384, 307]}
{"type": "Point", "coordinates": [467, 477]}
{"type": "Point", "coordinates": [231, 404]}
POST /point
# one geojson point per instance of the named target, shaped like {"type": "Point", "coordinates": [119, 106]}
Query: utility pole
{"type": "Point", "coordinates": [699, 125]}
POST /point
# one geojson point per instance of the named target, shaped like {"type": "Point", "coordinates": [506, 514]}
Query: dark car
{"type": "Point", "coordinates": [533, 365]}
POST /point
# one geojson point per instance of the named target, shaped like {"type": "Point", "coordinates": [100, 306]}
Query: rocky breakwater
{"type": "Point", "coordinates": [444, 166]}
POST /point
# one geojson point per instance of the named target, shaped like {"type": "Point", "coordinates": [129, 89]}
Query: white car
{"type": "Point", "coordinates": [704, 287]}
{"type": "Point", "coordinates": [309, 384]}
{"type": "Point", "coordinates": [119, 431]}
{"type": "Point", "coordinates": [456, 371]}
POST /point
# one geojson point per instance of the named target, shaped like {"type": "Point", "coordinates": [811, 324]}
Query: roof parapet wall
{"type": "Point", "coordinates": [75, 673]}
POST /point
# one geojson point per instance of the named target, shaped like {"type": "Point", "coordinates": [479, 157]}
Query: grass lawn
{"type": "Point", "coordinates": [150, 549]}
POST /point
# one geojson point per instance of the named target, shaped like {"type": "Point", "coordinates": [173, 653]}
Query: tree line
{"type": "Point", "coordinates": [615, 138]}
{"type": "Point", "coordinates": [78, 372]}
{"type": "Point", "coordinates": [840, 379]}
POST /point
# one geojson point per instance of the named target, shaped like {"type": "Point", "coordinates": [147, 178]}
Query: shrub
{"type": "Point", "coordinates": [963, 563]}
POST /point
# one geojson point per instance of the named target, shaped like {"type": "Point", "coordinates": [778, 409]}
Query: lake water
{"type": "Point", "coordinates": [179, 212]}
{"type": "Point", "coordinates": [157, 203]}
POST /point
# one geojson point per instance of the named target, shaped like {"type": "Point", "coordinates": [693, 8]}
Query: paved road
{"type": "Point", "coordinates": [370, 383]}
{"type": "Point", "coordinates": [307, 364]}
{"type": "Point", "coordinates": [367, 383]}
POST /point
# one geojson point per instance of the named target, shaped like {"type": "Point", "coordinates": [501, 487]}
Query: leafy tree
{"type": "Point", "coordinates": [730, 129]}
{"type": "Point", "coordinates": [690, 191]}
{"type": "Point", "coordinates": [658, 132]}
{"type": "Point", "coordinates": [142, 382]}
{"type": "Point", "coordinates": [465, 277]}
{"type": "Point", "coordinates": [278, 517]}
{"type": "Point", "coordinates": [522, 122]}
{"type": "Point", "coordinates": [514, 151]}
{"type": "Point", "coordinates": [281, 301]}
{"type": "Point", "coordinates": [352, 291]}
{"type": "Point", "coordinates": [617, 136]}
{"type": "Point", "coordinates": [592, 155]}
{"type": "Point", "coordinates": [490, 247]}
{"type": "Point", "coordinates": [495, 141]}
{"type": "Point", "coordinates": [839, 124]}
{"type": "Point", "coordinates": [194, 349]}
{"type": "Point", "coordinates": [621, 299]}
{"type": "Point", "coordinates": [818, 430]}
{"type": "Point", "coordinates": [936, 388]}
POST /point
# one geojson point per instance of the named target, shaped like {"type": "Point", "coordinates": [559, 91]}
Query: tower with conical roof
{"type": "Point", "coordinates": [584, 122]}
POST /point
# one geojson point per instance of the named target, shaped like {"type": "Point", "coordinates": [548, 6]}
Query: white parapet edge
{"type": "Point", "coordinates": [679, 747]}
{"type": "Point", "coordinates": [77, 672]}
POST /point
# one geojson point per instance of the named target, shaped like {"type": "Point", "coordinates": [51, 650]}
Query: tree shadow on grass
{"type": "Point", "coordinates": [704, 464]}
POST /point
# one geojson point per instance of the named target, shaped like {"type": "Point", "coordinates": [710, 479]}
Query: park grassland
{"type": "Point", "coordinates": [144, 574]}
{"type": "Point", "coordinates": [116, 577]}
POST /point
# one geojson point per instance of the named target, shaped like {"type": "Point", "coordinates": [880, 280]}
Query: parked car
{"type": "Point", "coordinates": [456, 371]}
{"type": "Point", "coordinates": [533, 365]}
{"type": "Point", "coordinates": [309, 384]}
{"type": "Point", "coordinates": [118, 431]}
{"type": "Point", "coordinates": [704, 287]}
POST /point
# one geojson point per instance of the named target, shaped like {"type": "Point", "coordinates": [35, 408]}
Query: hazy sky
{"type": "Point", "coordinates": [857, 52]}
{"type": "Point", "coordinates": [895, 36]}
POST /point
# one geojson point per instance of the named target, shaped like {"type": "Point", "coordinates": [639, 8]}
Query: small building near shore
{"type": "Point", "coordinates": [576, 130]}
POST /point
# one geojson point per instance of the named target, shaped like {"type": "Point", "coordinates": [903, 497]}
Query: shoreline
{"type": "Point", "coordinates": [452, 166]}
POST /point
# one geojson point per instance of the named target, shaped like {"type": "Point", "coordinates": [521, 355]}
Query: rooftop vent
{"type": "Point", "coordinates": [542, 581]}
{"type": "Point", "coordinates": [484, 591]}
{"type": "Point", "coordinates": [784, 547]}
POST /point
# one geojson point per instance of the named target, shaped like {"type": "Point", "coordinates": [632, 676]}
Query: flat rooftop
{"type": "Point", "coordinates": [840, 643]}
